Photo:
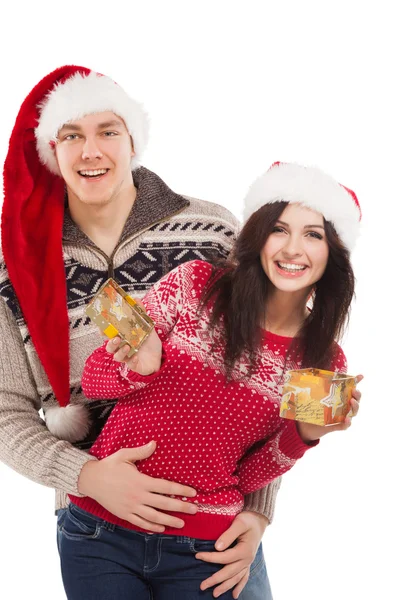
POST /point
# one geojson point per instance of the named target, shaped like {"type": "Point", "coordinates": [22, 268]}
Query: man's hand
{"type": "Point", "coordinates": [248, 529]}
{"type": "Point", "coordinates": [115, 483]}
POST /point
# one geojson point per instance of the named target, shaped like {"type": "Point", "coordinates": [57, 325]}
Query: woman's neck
{"type": "Point", "coordinates": [286, 312]}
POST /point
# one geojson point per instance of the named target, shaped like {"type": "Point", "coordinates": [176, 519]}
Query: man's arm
{"type": "Point", "coordinates": [26, 445]}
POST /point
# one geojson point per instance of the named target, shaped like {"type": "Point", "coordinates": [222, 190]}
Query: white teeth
{"type": "Point", "coordinates": [94, 172]}
{"type": "Point", "coordinates": [291, 267]}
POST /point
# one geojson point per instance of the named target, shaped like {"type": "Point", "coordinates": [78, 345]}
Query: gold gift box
{"type": "Point", "coordinates": [117, 314]}
{"type": "Point", "coordinates": [317, 396]}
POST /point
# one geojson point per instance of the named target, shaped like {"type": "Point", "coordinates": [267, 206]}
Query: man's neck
{"type": "Point", "coordinates": [103, 224]}
{"type": "Point", "coordinates": [286, 312]}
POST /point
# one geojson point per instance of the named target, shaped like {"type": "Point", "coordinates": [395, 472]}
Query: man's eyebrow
{"type": "Point", "coordinates": [74, 127]}
{"type": "Point", "coordinates": [71, 127]}
{"type": "Point", "coordinates": [109, 124]}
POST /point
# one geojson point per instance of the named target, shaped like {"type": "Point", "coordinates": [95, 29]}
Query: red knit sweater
{"type": "Point", "coordinates": [204, 426]}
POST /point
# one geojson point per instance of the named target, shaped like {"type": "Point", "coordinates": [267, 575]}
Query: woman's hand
{"type": "Point", "coordinates": [248, 529]}
{"type": "Point", "coordinates": [147, 359]}
{"type": "Point", "coordinates": [310, 433]}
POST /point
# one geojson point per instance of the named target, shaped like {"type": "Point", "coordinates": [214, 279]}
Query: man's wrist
{"type": "Point", "coordinates": [262, 520]}
{"type": "Point", "coordinates": [86, 477]}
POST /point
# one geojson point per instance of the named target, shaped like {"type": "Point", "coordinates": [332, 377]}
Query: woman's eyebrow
{"type": "Point", "coordinates": [305, 226]}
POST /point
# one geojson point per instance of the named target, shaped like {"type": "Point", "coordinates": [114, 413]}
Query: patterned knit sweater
{"type": "Point", "coordinates": [224, 438]}
{"type": "Point", "coordinates": [163, 230]}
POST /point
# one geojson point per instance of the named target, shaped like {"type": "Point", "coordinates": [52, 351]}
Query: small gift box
{"type": "Point", "coordinates": [117, 314]}
{"type": "Point", "coordinates": [316, 396]}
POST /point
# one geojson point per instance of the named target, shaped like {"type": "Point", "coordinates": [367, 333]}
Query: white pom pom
{"type": "Point", "coordinates": [69, 423]}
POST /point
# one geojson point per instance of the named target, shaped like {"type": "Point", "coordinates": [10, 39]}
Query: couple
{"type": "Point", "coordinates": [205, 386]}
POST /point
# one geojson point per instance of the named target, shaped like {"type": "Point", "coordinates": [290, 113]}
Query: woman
{"type": "Point", "coordinates": [206, 384]}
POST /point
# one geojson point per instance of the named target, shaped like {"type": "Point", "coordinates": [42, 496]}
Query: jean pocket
{"type": "Point", "coordinates": [61, 518]}
{"type": "Point", "coordinates": [78, 525]}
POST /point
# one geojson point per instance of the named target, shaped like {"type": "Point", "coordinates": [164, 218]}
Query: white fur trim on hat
{"type": "Point", "coordinates": [309, 187]}
{"type": "Point", "coordinates": [82, 95]}
{"type": "Point", "coordinates": [69, 422]}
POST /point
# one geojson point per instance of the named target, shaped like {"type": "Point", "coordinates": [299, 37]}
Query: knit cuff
{"type": "Point", "coordinates": [263, 501]}
{"type": "Point", "coordinates": [291, 444]}
{"type": "Point", "coordinates": [64, 472]}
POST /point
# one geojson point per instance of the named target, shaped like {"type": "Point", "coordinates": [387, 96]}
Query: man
{"type": "Point", "coordinates": [77, 210]}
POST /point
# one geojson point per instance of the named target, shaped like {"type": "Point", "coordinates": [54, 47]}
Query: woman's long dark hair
{"type": "Point", "coordinates": [239, 290]}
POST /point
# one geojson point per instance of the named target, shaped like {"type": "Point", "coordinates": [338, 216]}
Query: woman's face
{"type": "Point", "coordinates": [295, 254]}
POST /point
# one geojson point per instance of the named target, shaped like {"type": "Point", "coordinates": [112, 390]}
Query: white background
{"type": "Point", "coordinates": [230, 88]}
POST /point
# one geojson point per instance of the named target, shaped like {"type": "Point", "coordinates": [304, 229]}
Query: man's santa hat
{"type": "Point", "coordinates": [311, 188]}
{"type": "Point", "coordinates": [33, 213]}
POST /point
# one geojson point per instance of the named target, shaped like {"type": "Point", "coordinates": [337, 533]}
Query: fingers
{"type": "Point", "coordinates": [169, 488]}
{"type": "Point", "coordinates": [230, 535]}
{"type": "Point", "coordinates": [355, 407]}
{"type": "Point", "coordinates": [144, 524]}
{"type": "Point", "coordinates": [160, 518]}
{"type": "Point", "coordinates": [121, 354]}
{"type": "Point", "coordinates": [223, 575]}
{"type": "Point", "coordinates": [241, 579]}
{"type": "Point", "coordinates": [241, 585]}
{"type": "Point", "coordinates": [172, 505]}
{"type": "Point", "coordinates": [220, 558]}
{"type": "Point", "coordinates": [113, 344]}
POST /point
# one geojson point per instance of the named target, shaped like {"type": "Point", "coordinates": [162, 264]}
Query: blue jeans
{"type": "Point", "coordinates": [101, 561]}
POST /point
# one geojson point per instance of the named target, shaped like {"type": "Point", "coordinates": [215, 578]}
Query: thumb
{"type": "Point", "coordinates": [139, 453]}
{"type": "Point", "coordinates": [230, 535]}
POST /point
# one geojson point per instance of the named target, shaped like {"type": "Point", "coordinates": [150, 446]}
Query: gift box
{"type": "Point", "coordinates": [316, 396]}
{"type": "Point", "coordinates": [117, 314]}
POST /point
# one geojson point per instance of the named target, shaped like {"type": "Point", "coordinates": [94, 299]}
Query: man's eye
{"type": "Point", "coordinates": [71, 136]}
{"type": "Point", "coordinates": [110, 133]}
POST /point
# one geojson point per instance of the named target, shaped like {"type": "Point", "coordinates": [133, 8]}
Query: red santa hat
{"type": "Point", "coordinates": [312, 188]}
{"type": "Point", "coordinates": [33, 213]}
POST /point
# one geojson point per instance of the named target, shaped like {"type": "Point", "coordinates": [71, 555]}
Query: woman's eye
{"type": "Point", "coordinates": [315, 235]}
{"type": "Point", "coordinates": [278, 230]}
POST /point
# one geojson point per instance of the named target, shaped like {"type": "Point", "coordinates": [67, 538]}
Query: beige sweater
{"type": "Point", "coordinates": [163, 230]}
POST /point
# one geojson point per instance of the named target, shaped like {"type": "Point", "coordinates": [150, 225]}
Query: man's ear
{"type": "Point", "coordinates": [133, 147]}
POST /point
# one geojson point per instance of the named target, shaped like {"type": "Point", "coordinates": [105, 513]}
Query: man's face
{"type": "Point", "coordinates": [94, 156]}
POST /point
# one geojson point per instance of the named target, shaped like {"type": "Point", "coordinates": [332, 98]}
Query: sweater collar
{"type": "Point", "coordinates": [155, 201]}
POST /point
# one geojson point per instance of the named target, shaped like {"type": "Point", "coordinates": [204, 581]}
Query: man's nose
{"type": "Point", "coordinates": [91, 149]}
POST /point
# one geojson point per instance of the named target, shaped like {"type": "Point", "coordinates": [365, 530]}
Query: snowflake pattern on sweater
{"type": "Point", "coordinates": [224, 438]}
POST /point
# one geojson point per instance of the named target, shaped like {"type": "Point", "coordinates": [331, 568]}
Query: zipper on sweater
{"type": "Point", "coordinates": [110, 259]}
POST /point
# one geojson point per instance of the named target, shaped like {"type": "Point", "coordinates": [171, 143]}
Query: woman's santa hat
{"type": "Point", "coordinates": [33, 213]}
{"type": "Point", "coordinates": [312, 188]}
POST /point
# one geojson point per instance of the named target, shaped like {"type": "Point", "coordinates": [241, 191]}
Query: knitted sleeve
{"type": "Point", "coordinates": [103, 377]}
{"type": "Point", "coordinates": [263, 501]}
{"type": "Point", "coordinates": [26, 445]}
{"type": "Point", "coordinates": [276, 456]}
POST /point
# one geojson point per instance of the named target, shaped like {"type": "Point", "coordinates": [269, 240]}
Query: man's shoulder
{"type": "Point", "coordinates": [211, 211]}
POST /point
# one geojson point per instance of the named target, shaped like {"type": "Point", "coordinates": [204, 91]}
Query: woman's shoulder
{"type": "Point", "coordinates": [339, 360]}
{"type": "Point", "coordinates": [194, 271]}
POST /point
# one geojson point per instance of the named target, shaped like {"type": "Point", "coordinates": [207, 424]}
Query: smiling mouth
{"type": "Point", "coordinates": [93, 173]}
{"type": "Point", "coordinates": [291, 267]}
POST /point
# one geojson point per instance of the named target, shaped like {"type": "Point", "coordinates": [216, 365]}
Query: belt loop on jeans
{"type": "Point", "coordinates": [183, 539]}
{"type": "Point", "coordinates": [108, 526]}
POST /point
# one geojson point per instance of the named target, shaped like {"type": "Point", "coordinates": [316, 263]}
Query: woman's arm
{"type": "Point", "coordinates": [273, 458]}
{"type": "Point", "coordinates": [108, 374]}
